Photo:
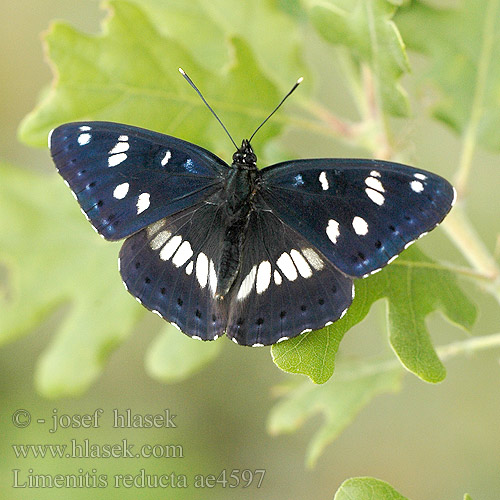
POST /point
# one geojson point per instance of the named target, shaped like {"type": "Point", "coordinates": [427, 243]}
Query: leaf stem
{"type": "Point", "coordinates": [338, 126]}
{"type": "Point", "coordinates": [469, 345]}
{"type": "Point", "coordinates": [464, 236]}
{"type": "Point", "coordinates": [464, 271]}
{"type": "Point", "coordinates": [457, 224]}
{"type": "Point", "coordinates": [445, 352]}
{"type": "Point", "coordinates": [470, 134]}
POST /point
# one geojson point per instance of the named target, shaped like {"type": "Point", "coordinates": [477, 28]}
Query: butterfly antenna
{"type": "Point", "coordinates": [297, 83]}
{"type": "Point", "coordinates": [183, 73]}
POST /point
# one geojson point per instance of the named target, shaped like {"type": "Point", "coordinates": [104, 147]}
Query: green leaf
{"type": "Point", "coordinates": [462, 46]}
{"type": "Point", "coordinates": [367, 488]}
{"type": "Point", "coordinates": [340, 401]}
{"type": "Point", "coordinates": [366, 29]}
{"type": "Point", "coordinates": [125, 76]}
{"type": "Point", "coordinates": [52, 259]}
{"type": "Point", "coordinates": [190, 24]}
{"type": "Point", "coordinates": [413, 287]}
{"type": "Point", "coordinates": [174, 357]}
{"type": "Point", "coordinates": [202, 27]}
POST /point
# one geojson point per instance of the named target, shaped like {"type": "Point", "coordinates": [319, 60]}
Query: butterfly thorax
{"type": "Point", "coordinates": [242, 180]}
{"type": "Point", "coordinates": [239, 192]}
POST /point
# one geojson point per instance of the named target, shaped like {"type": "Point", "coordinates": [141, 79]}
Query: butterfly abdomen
{"type": "Point", "coordinates": [238, 200]}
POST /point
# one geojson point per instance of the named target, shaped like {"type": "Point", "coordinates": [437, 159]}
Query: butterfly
{"type": "Point", "coordinates": [260, 255]}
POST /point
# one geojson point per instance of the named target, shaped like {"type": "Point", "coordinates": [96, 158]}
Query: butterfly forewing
{"type": "Point", "coordinates": [284, 287]}
{"type": "Point", "coordinates": [358, 213]}
{"type": "Point", "coordinates": [171, 268]}
{"type": "Point", "coordinates": [126, 178]}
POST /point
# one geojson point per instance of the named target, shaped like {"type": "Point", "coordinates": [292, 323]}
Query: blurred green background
{"type": "Point", "coordinates": [428, 441]}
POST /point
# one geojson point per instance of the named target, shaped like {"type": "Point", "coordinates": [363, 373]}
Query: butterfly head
{"type": "Point", "coordinates": [245, 157]}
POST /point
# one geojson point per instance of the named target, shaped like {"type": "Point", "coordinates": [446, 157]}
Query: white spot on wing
{"type": "Point", "coordinates": [154, 228]}
{"type": "Point", "coordinates": [374, 184]}
{"type": "Point", "coordinates": [168, 250]}
{"type": "Point", "coordinates": [120, 147]}
{"type": "Point", "coordinates": [375, 196]}
{"type": "Point", "coordinates": [49, 139]}
{"type": "Point", "coordinates": [422, 177]}
{"type": "Point", "coordinates": [202, 269]}
{"type": "Point", "coordinates": [454, 197]}
{"type": "Point", "coordinates": [84, 139]}
{"type": "Point", "coordinates": [116, 159]}
{"type": "Point", "coordinates": [84, 128]}
{"type": "Point", "coordinates": [360, 226]}
{"type": "Point", "coordinates": [277, 278]}
{"type": "Point", "coordinates": [159, 240]}
{"type": "Point", "coordinates": [167, 157]}
{"type": "Point", "coordinates": [121, 191]}
{"type": "Point", "coordinates": [324, 181]}
{"type": "Point", "coordinates": [332, 230]}
{"type": "Point", "coordinates": [257, 345]}
{"type": "Point", "coordinates": [417, 186]}
{"type": "Point", "coordinates": [84, 213]}
{"type": "Point", "coordinates": [263, 276]}
{"type": "Point", "coordinates": [123, 138]}
{"type": "Point", "coordinates": [375, 173]}
{"type": "Point", "coordinates": [183, 254]}
{"type": "Point", "coordinates": [143, 202]}
{"type": "Point", "coordinates": [392, 259]}
{"type": "Point", "coordinates": [189, 268]}
{"type": "Point", "coordinates": [212, 277]}
{"type": "Point", "coordinates": [247, 284]}
{"type": "Point", "coordinates": [285, 263]}
{"type": "Point", "coordinates": [301, 264]}
{"type": "Point", "coordinates": [313, 258]}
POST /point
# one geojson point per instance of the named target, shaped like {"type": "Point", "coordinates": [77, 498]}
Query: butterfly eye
{"type": "Point", "coordinates": [238, 157]}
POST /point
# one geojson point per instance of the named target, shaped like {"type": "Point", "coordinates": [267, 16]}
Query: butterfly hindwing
{"type": "Point", "coordinates": [284, 287]}
{"type": "Point", "coordinates": [170, 266]}
{"type": "Point", "coordinates": [126, 178]}
{"type": "Point", "coordinates": [358, 213]}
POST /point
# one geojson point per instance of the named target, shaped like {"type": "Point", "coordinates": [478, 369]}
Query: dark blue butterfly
{"type": "Point", "coordinates": [261, 255]}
